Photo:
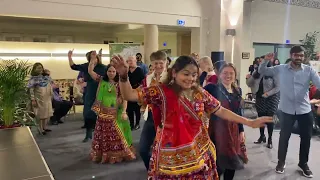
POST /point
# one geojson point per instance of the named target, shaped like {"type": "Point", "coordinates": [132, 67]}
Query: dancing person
{"type": "Point", "coordinates": [206, 66]}
{"type": "Point", "coordinates": [228, 137]}
{"type": "Point", "coordinates": [136, 76]}
{"type": "Point", "coordinates": [41, 94]}
{"type": "Point", "coordinates": [182, 147]}
{"type": "Point", "coordinates": [158, 61]}
{"type": "Point", "coordinates": [112, 140]}
{"type": "Point", "coordinates": [91, 88]}
{"type": "Point", "coordinates": [142, 65]}
{"type": "Point", "coordinates": [294, 77]}
{"type": "Point", "coordinates": [266, 90]}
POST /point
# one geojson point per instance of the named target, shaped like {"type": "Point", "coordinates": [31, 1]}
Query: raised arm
{"type": "Point", "coordinates": [126, 90]}
{"type": "Point", "coordinates": [70, 58]}
{"type": "Point", "coordinates": [92, 64]}
{"type": "Point", "coordinates": [264, 69]}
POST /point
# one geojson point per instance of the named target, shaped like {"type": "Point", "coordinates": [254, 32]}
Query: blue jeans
{"type": "Point", "coordinates": [146, 140]}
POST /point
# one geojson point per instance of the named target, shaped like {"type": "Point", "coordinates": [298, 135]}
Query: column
{"type": "Point", "coordinates": [151, 41]}
{"type": "Point", "coordinates": [217, 17]}
{"type": "Point", "coordinates": [195, 41]}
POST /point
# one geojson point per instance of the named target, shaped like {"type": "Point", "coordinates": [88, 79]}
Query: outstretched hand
{"type": "Point", "coordinates": [260, 122]}
{"type": "Point", "coordinates": [120, 65]}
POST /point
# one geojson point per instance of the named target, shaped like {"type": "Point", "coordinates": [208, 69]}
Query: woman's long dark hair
{"type": "Point", "coordinates": [256, 74]}
{"type": "Point", "coordinates": [33, 71]}
{"type": "Point", "coordinates": [178, 65]}
{"type": "Point", "coordinates": [106, 78]}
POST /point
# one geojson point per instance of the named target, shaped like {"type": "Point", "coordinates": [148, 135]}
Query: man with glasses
{"type": "Point", "coordinates": [294, 77]}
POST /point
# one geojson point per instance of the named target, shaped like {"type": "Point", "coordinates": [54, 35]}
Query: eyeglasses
{"type": "Point", "coordinates": [298, 55]}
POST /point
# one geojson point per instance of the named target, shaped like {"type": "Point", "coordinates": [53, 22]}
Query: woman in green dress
{"type": "Point", "coordinates": [112, 140]}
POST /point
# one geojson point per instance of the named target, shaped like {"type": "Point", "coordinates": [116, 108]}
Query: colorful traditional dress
{"type": "Point", "coordinates": [231, 153]}
{"type": "Point", "coordinates": [182, 147]}
{"type": "Point", "coordinates": [112, 140]}
{"type": "Point", "coordinates": [41, 91]}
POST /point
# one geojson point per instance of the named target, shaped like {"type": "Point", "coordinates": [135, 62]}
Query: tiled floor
{"type": "Point", "coordinates": [67, 157]}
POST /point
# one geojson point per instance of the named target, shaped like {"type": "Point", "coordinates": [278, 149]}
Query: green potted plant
{"type": "Point", "coordinates": [310, 44]}
{"type": "Point", "coordinates": [14, 95]}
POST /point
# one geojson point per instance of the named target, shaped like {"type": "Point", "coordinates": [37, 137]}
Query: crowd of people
{"type": "Point", "coordinates": [192, 107]}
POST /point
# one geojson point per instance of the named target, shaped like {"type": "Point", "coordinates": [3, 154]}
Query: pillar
{"type": "Point", "coordinates": [151, 41]}
{"type": "Point", "coordinates": [217, 17]}
{"type": "Point", "coordinates": [195, 40]}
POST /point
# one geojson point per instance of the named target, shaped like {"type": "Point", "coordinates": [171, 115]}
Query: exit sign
{"type": "Point", "coordinates": [181, 22]}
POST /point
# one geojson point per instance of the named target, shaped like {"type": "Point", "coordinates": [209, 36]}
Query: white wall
{"type": "Point", "coordinates": [59, 65]}
{"type": "Point", "coordinates": [276, 22]}
{"type": "Point", "coordinates": [165, 12]}
{"type": "Point", "coordinates": [81, 33]}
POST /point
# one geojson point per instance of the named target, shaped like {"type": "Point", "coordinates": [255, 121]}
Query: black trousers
{"type": "Point", "coordinates": [270, 126]}
{"type": "Point", "coordinates": [146, 140]}
{"type": "Point", "coordinates": [228, 174]}
{"type": "Point", "coordinates": [61, 108]}
{"type": "Point", "coordinates": [305, 122]}
{"type": "Point", "coordinates": [133, 110]}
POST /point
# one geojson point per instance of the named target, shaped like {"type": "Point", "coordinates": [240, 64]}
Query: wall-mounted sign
{"type": "Point", "coordinates": [287, 41]}
{"type": "Point", "coordinates": [164, 44]}
{"type": "Point", "coordinates": [245, 55]}
{"type": "Point", "coordinates": [181, 22]}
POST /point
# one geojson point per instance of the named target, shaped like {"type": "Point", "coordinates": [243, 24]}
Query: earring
{"type": "Point", "coordinates": [171, 82]}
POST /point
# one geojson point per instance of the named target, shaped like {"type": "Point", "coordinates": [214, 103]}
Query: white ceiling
{"type": "Point", "coordinates": [119, 27]}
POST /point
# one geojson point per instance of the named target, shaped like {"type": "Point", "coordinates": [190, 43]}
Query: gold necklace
{"type": "Point", "coordinates": [110, 87]}
{"type": "Point", "coordinates": [188, 96]}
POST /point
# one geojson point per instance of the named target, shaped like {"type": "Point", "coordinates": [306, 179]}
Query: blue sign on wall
{"type": "Point", "coordinates": [287, 41]}
{"type": "Point", "coordinates": [164, 44]}
{"type": "Point", "coordinates": [181, 22]}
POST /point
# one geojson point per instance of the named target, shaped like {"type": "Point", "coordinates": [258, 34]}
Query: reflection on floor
{"type": "Point", "coordinates": [67, 157]}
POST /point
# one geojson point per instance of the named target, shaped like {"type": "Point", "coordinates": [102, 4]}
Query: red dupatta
{"type": "Point", "coordinates": [182, 142]}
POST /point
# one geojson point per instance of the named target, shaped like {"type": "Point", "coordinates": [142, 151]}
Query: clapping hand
{"type": "Point", "coordinates": [120, 65]}
{"type": "Point", "coordinates": [260, 122]}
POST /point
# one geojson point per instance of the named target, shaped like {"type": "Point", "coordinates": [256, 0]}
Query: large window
{"type": "Point", "coordinates": [281, 50]}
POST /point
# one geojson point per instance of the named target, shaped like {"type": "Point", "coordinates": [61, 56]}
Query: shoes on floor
{"type": "Point", "coordinates": [47, 130]}
{"type": "Point", "coordinates": [269, 145]}
{"type": "Point", "coordinates": [280, 167]}
{"type": "Point", "coordinates": [306, 170]}
{"type": "Point", "coordinates": [262, 139]}
{"type": "Point", "coordinates": [137, 127]}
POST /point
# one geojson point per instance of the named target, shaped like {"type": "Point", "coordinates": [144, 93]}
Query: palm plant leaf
{"type": "Point", "coordinates": [13, 90]}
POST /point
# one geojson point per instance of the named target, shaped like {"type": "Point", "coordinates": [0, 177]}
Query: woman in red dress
{"type": "Point", "coordinates": [182, 147]}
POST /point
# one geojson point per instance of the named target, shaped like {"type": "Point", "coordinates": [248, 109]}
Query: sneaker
{"type": "Point", "coordinates": [306, 170]}
{"type": "Point", "coordinates": [280, 167]}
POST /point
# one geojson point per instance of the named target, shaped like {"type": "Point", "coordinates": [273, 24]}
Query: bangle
{"type": "Point", "coordinates": [124, 78]}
